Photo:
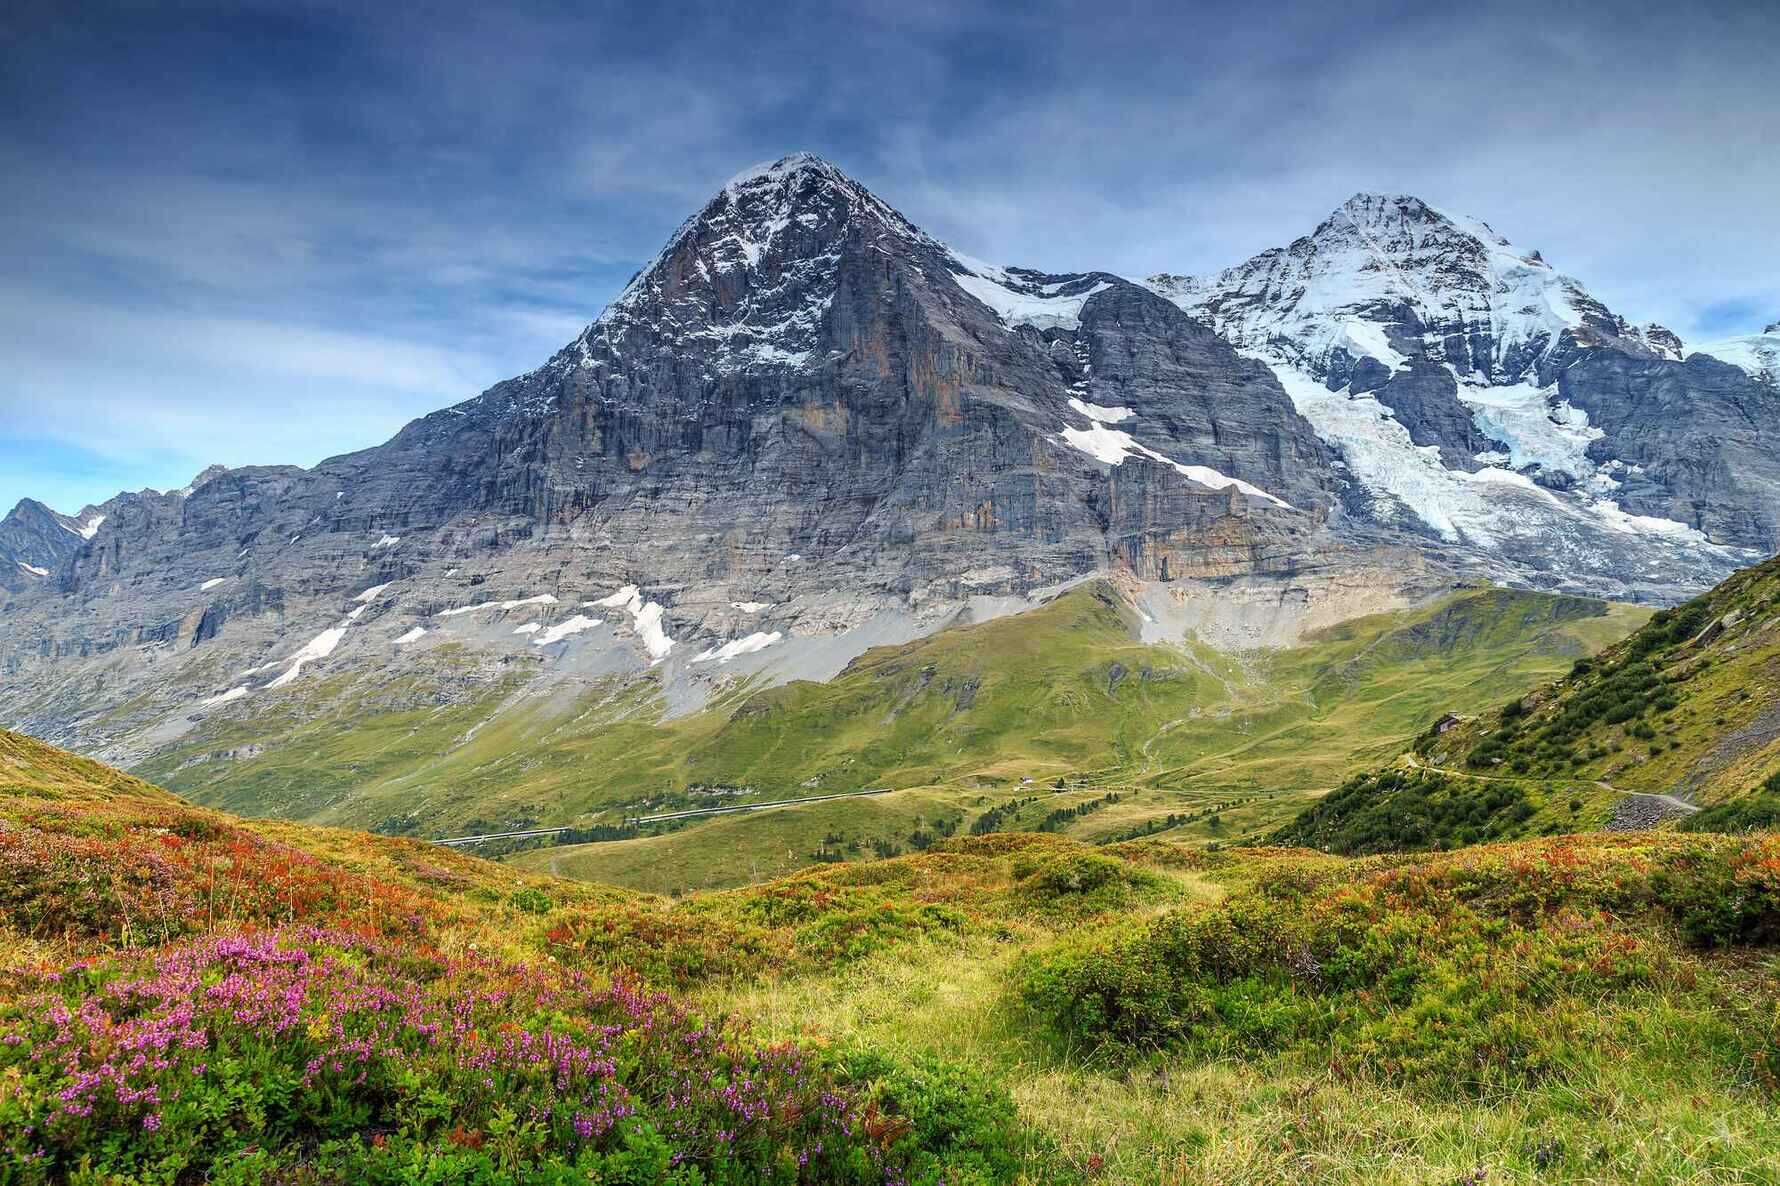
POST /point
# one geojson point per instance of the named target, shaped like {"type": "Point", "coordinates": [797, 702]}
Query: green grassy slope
{"type": "Point", "coordinates": [1688, 705]}
{"type": "Point", "coordinates": [31, 769]}
{"type": "Point", "coordinates": [1065, 690]}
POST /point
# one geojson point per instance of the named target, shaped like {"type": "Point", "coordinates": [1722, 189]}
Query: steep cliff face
{"type": "Point", "coordinates": [805, 418]}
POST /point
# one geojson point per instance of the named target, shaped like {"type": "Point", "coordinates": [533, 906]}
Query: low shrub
{"type": "Point", "coordinates": [1084, 883]}
{"type": "Point", "coordinates": [305, 1054]}
{"type": "Point", "coordinates": [1483, 970]}
{"type": "Point", "coordinates": [1410, 810]}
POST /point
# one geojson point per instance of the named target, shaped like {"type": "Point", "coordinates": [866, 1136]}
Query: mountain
{"type": "Point", "coordinates": [36, 541]}
{"type": "Point", "coordinates": [1475, 393]}
{"type": "Point", "coordinates": [807, 429]}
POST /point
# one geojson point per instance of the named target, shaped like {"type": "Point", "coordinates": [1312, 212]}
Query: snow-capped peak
{"type": "Point", "coordinates": [1388, 276]}
{"type": "Point", "coordinates": [792, 164]}
{"type": "Point", "coordinates": [781, 208]}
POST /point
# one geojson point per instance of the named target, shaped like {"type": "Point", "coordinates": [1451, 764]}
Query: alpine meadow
{"type": "Point", "coordinates": [1281, 684]}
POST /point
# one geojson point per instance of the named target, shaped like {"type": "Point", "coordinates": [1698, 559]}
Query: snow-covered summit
{"type": "Point", "coordinates": [1388, 277]}
{"type": "Point", "coordinates": [1418, 342]}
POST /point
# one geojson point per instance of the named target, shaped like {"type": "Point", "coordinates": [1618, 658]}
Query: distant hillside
{"type": "Point", "coordinates": [1065, 690]}
{"type": "Point", "coordinates": [1684, 713]}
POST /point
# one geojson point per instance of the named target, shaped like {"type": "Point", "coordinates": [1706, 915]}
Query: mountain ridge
{"type": "Point", "coordinates": [807, 428]}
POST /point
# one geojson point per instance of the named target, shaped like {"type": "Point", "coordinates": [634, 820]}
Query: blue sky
{"type": "Point", "coordinates": [270, 232]}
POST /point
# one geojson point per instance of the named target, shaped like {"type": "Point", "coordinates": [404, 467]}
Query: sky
{"type": "Point", "coordinates": [257, 233]}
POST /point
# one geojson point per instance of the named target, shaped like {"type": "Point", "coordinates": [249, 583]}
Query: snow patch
{"type": "Point", "coordinates": [1021, 302]}
{"type": "Point", "coordinates": [563, 629]}
{"type": "Point", "coordinates": [1111, 446]}
{"type": "Point", "coordinates": [645, 620]}
{"type": "Point", "coordinates": [373, 591]}
{"type": "Point", "coordinates": [628, 598]}
{"type": "Point", "coordinates": [413, 635]}
{"type": "Point", "coordinates": [757, 641]}
{"type": "Point", "coordinates": [649, 628]}
{"type": "Point", "coordinates": [33, 569]}
{"type": "Point", "coordinates": [224, 697]}
{"type": "Point", "coordinates": [528, 628]}
{"type": "Point", "coordinates": [388, 541]}
{"type": "Point", "coordinates": [750, 607]}
{"type": "Point", "coordinates": [1101, 414]}
{"type": "Point", "coordinates": [317, 648]}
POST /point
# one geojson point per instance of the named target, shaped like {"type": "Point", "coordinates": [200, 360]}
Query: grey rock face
{"type": "Point", "coordinates": [1424, 396]}
{"type": "Point", "coordinates": [804, 403]}
{"type": "Point", "coordinates": [1704, 433]}
{"type": "Point", "coordinates": [34, 544]}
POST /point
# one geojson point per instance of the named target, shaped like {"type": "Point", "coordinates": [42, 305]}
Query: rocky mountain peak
{"type": "Point", "coordinates": [745, 282]}
{"type": "Point", "coordinates": [1771, 329]}
{"type": "Point", "coordinates": [35, 541]}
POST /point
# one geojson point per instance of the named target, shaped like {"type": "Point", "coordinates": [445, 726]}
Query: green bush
{"type": "Point", "coordinates": [1409, 810]}
{"type": "Point", "coordinates": [1084, 882]}
{"type": "Point", "coordinates": [952, 1125]}
{"type": "Point", "coordinates": [1477, 973]}
{"type": "Point", "coordinates": [1721, 897]}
